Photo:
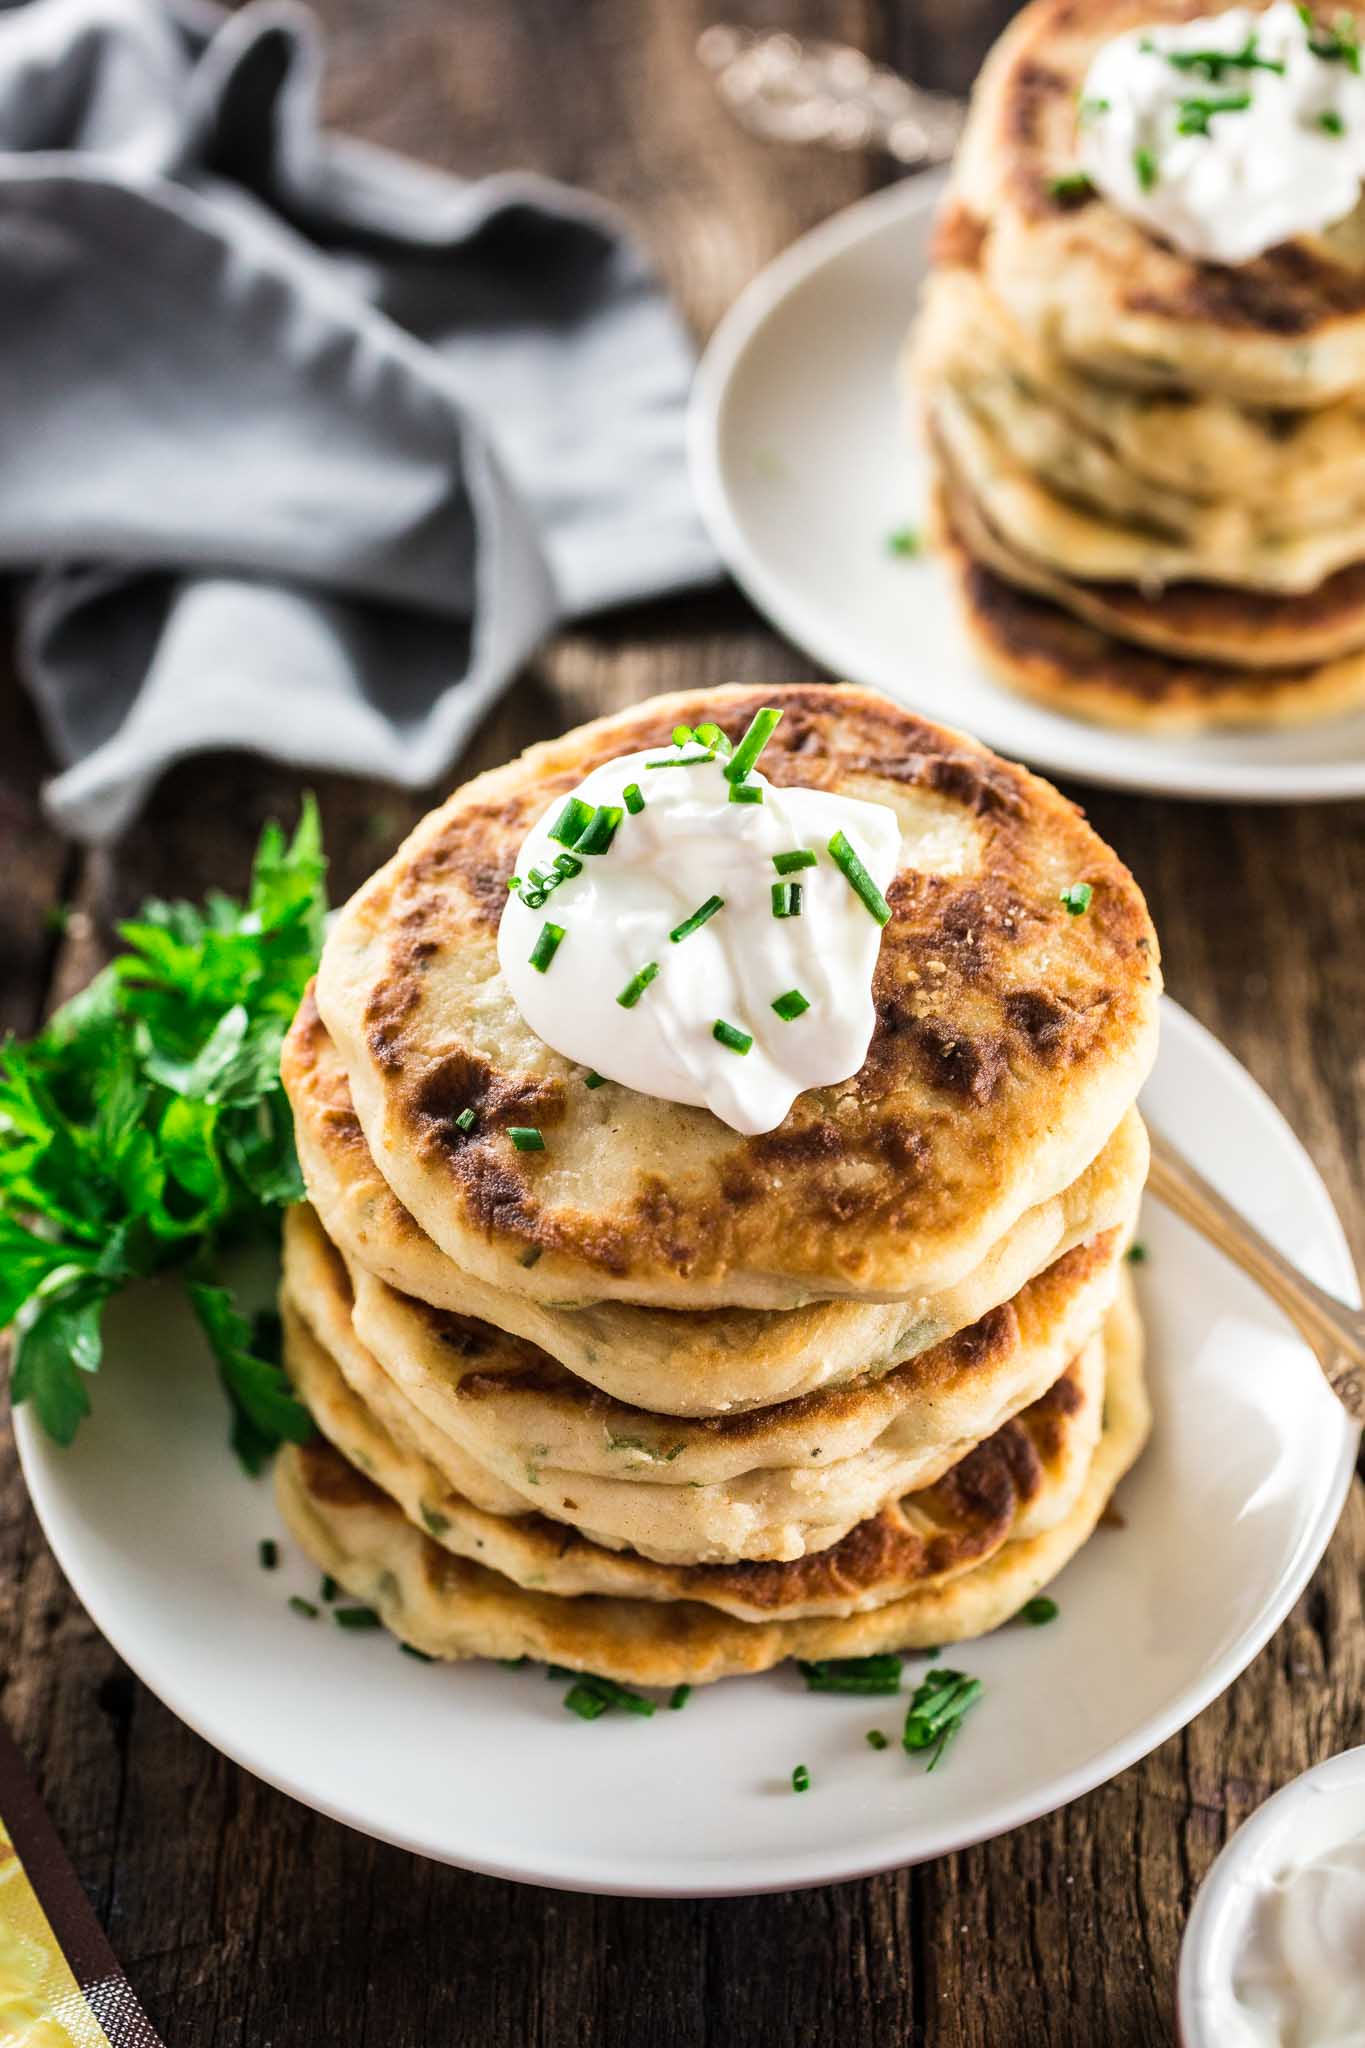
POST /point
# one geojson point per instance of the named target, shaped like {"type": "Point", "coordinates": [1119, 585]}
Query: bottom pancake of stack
{"type": "Point", "coordinates": [947, 1560]}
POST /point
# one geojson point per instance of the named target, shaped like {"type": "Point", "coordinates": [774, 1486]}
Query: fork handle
{"type": "Point", "coordinates": [1334, 1332]}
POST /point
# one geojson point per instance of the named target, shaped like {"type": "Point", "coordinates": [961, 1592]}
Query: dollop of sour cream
{"type": "Point", "coordinates": [740, 1011]}
{"type": "Point", "coordinates": [1299, 1979]}
{"type": "Point", "coordinates": [1229, 134]}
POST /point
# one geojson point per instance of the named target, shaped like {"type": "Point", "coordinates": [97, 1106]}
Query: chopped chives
{"type": "Point", "coordinates": [904, 541]}
{"type": "Point", "coordinates": [936, 1710]}
{"type": "Point", "coordinates": [533, 898]}
{"type": "Point", "coordinates": [633, 799]}
{"type": "Point", "coordinates": [730, 1036]}
{"type": "Point", "coordinates": [679, 1697]}
{"type": "Point", "coordinates": [698, 918]}
{"type": "Point", "coordinates": [1071, 185]}
{"type": "Point", "coordinates": [268, 1551]}
{"type": "Point", "coordinates": [514, 1663]}
{"type": "Point", "coordinates": [786, 899]}
{"type": "Point", "coordinates": [685, 761]}
{"type": "Point", "coordinates": [466, 1120]}
{"type": "Point", "coordinates": [800, 1779]}
{"type": "Point", "coordinates": [1077, 898]}
{"type": "Point", "coordinates": [711, 736]}
{"type": "Point", "coordinates": [683, 736]}
{"type": "Point", "coordinates": [356, 1618]}
{"type": "Point", "coordinates": [1137, 1253]}
{"type": "Point", "coordinates": [411, 1650]}
{"type": "Point", "coordinates": [792, 863]}
{"type": "Point", "coordinates": [858, 878]}
{"type": "Point", "coordinates": [588, 1706]}
{"type": "Point", "coordinates": [514, 881]}
{"type": "Point", "coordinates": [1144, 165]}
{"type": "Point", "coordinates": [636, 986]}
{"type": "Point", "coordinates": [1040, 1610]}
{"type": "Point", "coordinates": [791, 1006]}
{"type": "Point", "coordinates": [761, 728]}
{"type": "Point", "coordinates": [877, 1674]}
{"type": "Point", "coordinates": [745, 793]}
{"type": "Point", "coordinates": [546, 946]}
{"type": "Point", "coordinates": [526, 1137]}
{"type": "Point", "coordinates": [569, 865]}
{"type": "Point", "coordinates": [329, 1589]}
{"type": "Point", "coordinates": [595, 1081]}
{"type": "Point", "coordinates": [598, 834]}
{"type": "Point", "coordinates": [1330, 121]}
{"type": "Point", "coordinates": [876, 1740]}
{"type": "Point", "coordinates": [1194, 115]}
{"type": "Point", "coordinates": [303, 1607]}
{"type": "Point", "coordinates": [569, 827]}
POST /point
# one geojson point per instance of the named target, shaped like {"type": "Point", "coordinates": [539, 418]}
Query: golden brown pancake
{"type": "Point", "coordinates": [448, 1606]}
{"type": "Point", "coordinates": [712, 1361]}
{"type": "Point", "coordinates": [1011, 1037]}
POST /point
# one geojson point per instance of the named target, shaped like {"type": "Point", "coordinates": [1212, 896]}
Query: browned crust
{"type": "Point", "coordinates": [962, 1024]}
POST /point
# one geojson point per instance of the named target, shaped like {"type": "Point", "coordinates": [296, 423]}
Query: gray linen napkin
{"type": "Point", "coordinates": [308, 444]}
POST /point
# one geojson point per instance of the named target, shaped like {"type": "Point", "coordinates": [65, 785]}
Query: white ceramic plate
{"type": "Point", "coordinates": [1248, 1467]}
{"type": "Point", "coordinates": [803, 463]}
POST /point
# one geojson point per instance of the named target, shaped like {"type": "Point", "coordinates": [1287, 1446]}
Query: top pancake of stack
{"type": "Point", "coordinates": [1011, 1039]}
{"type": "Point", "coordinates": [1284, 330]}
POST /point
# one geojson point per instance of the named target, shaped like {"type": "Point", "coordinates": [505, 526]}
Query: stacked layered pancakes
{"type": "Point", "coordinates": [1142, 362]}
{"type": "Point", "coordinates": [665, 1388]}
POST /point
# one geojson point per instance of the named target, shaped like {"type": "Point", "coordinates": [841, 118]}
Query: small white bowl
{"type": "Point", "coordinates": [1307, 1818]}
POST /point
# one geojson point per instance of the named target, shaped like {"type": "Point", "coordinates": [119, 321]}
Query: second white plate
{"type": "Point", "coordinates": [803, 464]}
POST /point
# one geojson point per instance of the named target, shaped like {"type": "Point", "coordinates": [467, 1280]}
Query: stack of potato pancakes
{"type": "Point", "coordinates": [1151, 467]}
{"type": "Point", "coordinates": [663, 1402]}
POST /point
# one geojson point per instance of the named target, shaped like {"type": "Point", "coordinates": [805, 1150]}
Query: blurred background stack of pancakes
{"type": "Point", "coordinates": [1151, 467]}
{"type": "Point", "coordinates": [662, 1402]}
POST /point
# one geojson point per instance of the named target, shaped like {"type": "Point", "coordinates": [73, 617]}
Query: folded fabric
{"type": "Point", "coordinates": [307, 445]}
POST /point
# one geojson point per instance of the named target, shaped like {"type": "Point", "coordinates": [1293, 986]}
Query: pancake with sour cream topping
{"type": "Point", "coordinates": [1011, 1034]}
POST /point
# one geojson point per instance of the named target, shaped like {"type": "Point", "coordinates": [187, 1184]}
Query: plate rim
{"type": "Point", "coordinates": [906, 199]}
{"type": "Point", "coordinates": [808, 1870]}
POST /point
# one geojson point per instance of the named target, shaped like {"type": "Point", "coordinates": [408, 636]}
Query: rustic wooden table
{"type": "Point", "coordinates": [241, 1917]}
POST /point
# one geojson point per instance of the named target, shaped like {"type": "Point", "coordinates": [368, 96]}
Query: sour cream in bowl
{"type": "Point", "coordinates": [1274, 1953]}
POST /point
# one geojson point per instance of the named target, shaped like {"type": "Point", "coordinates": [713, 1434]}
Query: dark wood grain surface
{"type": "Point", "coordinates": [242, 1918]}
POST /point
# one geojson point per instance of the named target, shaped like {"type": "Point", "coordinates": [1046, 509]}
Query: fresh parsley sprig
{"type": "Point", "coordinates": [145, 1128]}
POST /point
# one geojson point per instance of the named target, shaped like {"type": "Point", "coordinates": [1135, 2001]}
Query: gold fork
{"type": "Point", "coordinates": [1334, 1333]}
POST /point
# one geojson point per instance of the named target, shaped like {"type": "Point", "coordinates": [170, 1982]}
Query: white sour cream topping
{"type": "Point", "coordinates": [1299, 1979]}
{"type": "Point", "coordinates": [1287, 163]}
{"type": "Point", "coordinates": [689, 843]}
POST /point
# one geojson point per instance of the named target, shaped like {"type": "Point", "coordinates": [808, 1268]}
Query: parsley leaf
{"type": "Point", "coordinates": [145, 1128]}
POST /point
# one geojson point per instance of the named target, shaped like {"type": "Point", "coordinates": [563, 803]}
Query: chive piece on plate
{"type": "Point", "coordinates": [858, 879]}
{"type": "Point", "coordinates": [411, 1650]}
{"type": "Point", "coordinates": [1137, 1253]}
{"type": "Point", "coordinates": [466, 1120]}
{"type": "Point", "coordinates": [595, 1081]}
{"type": "Point", "coordinates": [546, 946]}
{"type": "Point", "coordinates": [636, 986]}
{"type": "Point", "coordinates": [598, 834]}
{"type": "Point", "coordinates": [633, 798]}
{"type": "Point", "coordinates": [800, 1779]}
{"type": "Point", "coordinates": [697, 919]}
{"type": "Point", "coordinates": [268, 1551]}
{"type": "Point", "coordinates": [791, 1006]}
{"type": "Point", "coordinates": [876, 1740]}
{"type": "Point", "coordinates": [526, 1137]}
{"type": "Point", "coordinates": [569, 827]}
{"type": "Point", "coordinates": [329, 1588]}
{"type": "Point", "coordinates": [792, 863]}
{"type": "Point", "coordinates": [936, 1710]}
{"type": "Point", "coordinates": [761, 728]}
{"type": "Point", "coordinates": [730, 1036]}
{"type": "Point", "coordinates": [904, 541]}
{"type": "Point", "coordinates": [1077, 898]}
{"type": "Point", "coordinates": [877, 1674]}
{"type": "Point", "coordinates": [745, 793]}
{"type": "Point", "coordinates": [679, 1697]}
{"type": "Point", "coordinates": [588, 1706]}
{"type": "Point", "coordinates": [356, 1618]}
{"type": "Point", "coordinates": [1040, 1610]}
{"type": "Point", "coordinates": [786, 899]}
{"type": "Point", "coordinates": [303, 1607]}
